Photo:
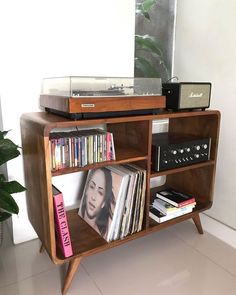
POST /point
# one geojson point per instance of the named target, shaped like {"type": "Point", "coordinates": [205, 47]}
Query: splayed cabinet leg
{"type": "Point", "coordinates": [73, 266]}
{"type": "Point", "coordinates": [198, 224]}
{"type": "Point", "coordinates": [42, 249]}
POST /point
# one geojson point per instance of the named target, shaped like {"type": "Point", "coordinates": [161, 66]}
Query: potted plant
{"type": "Point", "coordinates": [149, 57]}
{"type": "Point", "coordinates": [8, 206]}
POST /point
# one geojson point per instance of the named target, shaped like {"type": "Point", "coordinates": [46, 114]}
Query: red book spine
{"type": "Point", "coordinates": [184, 203]}
{"type": "Point", "coordinates": [62, 224]}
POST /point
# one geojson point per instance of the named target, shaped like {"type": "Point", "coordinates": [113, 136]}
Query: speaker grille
{"type": "Point", "coordinates": [194, 96]}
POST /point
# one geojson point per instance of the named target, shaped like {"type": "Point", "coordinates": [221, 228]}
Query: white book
{"type": "Point", "coordinates": [159, 217]}
{"type": "Point", "coordinates": [167, 208]}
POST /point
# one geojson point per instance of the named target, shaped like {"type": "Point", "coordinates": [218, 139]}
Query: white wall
{"type": "Point", "coordinates": [55, 38]}
{"type": "Point", "coordinates": [74, 37]}
{"type": "Point", "coordinates": [205, 51]}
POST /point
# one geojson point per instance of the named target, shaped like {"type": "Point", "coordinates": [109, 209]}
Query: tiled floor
{"type": "Point", "coordinates": [175, 261]}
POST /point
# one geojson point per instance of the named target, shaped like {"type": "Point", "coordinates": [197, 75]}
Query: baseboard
{"type": "Point", "coordinates": [221, 231]}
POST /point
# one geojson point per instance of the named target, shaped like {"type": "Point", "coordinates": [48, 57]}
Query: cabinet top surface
{"type": "Point", "coordinates": [48, 118]}
{"type": "Point", "coordinates": [48, 121]}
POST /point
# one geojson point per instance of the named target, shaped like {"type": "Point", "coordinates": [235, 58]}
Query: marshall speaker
{"type": "Point", "coordinates": [187, 95]}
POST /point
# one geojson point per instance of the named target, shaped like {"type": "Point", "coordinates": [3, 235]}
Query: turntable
{"type": "Point", "coordinates": [95, 97]}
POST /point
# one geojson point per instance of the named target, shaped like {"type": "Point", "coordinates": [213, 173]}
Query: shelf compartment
{"type": "Point", "coordinates": [86, 241]}
{"type": "Point", "coordinates": [176, 170]}
{"type": "Point", "coordinates": [200, 206]}
{"type": "Point", "coordinates": [123, 155]}
{"type": "Point", "coordinates": [197, 182]}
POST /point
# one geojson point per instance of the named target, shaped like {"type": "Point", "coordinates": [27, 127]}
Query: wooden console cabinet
{"type": "Point", "coordinates": [133, 138]}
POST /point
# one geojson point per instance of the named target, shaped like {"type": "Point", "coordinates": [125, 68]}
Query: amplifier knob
{"type": "Point", "coordinates": [196, 156]}
{"type": "Point", "coordinates": [165, 161]}
{"type": "Point", "coordinates": [174, 152]}
{"type": "Point", "coordinates": [181, 151]}
{"type": "Point", "coordinates": [187, 149]}
{"type": "Point", "coordinates": [204, 146]}
{"type": "Point", "coordinates": [197, 147]}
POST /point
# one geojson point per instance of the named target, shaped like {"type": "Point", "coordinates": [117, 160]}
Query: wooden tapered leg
{"type": "Point", "coordinates": [198, 224]}
{"type": "Point", "coordinates": [42, 249]}
{"type": "Point", "coordinates": [73, 266]}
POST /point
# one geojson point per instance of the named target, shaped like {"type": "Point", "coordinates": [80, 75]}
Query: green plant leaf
{"type": "Point", "coordinates": [3, 134]}
{"type": "Point", "coordinates": [2, 178]}
{"type": "Point", "coordinates": [8, 150]}
{"type": "Point", "coordinates": [143, 68]}
{"type": "Point", "coordinates": [4, 216]}
{"type": "Point", "coordinates": [147, 4]}
{"type": "Point", "coordinates": [12, 187]}
{"type": "Point", "coordinates": [7, 203]}
{"type": "Point", "coordinates": [144, 8]}
{"type": "Point", "coordinates": [148, 43]}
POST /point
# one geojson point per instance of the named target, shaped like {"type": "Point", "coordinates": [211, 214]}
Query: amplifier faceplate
{"type": "Point", "coordinates": [174, 150]}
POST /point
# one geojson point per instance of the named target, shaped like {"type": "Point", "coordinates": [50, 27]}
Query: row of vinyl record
{"type": "Point", "coordinates": [80, 148]}
{"type": "Point", "coordinates": [112, 204]}
{"type": "Point", "coordinates": [113, 200]}
{"type": "Point", "coordinates": [169, 204]}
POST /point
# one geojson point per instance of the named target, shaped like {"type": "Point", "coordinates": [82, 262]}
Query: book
{"type": "Point", "coordinates": [159, 217]}
{"type": "Point", "coordinates": [174, 197]}
{"type": "Point", "coordinates": [102, 200]}
{"type": "Point", "coordinates": [62, 228]}
{"type": "Point", "coordinates": [167, 208]}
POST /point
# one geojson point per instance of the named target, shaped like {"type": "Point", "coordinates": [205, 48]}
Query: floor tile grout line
{"type": "Point", "coordinates": [97, 286]}
{"type": "Point", "coordinates": [26, 278]}
{"type": "Point", "coordinates": [95, 283]}
{"type": "Point", "coordinates": [210, 259]}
